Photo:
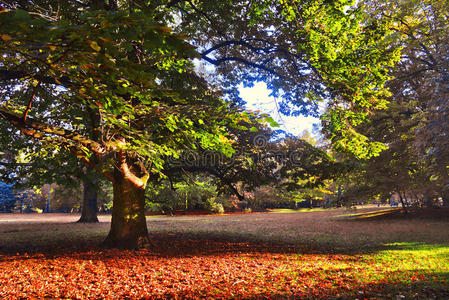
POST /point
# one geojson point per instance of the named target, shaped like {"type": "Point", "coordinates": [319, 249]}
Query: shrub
{"type": "Point", "coordinates": [216, 208]}
{"type": "Point", "coordinates": [154, 208]}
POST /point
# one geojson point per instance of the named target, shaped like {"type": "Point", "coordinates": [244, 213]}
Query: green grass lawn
{"type": "Point", "coordinates": [374, 253]}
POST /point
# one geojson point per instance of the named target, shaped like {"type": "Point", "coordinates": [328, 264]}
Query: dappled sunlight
{"type": "Point", "coordinates": [370, 214]}
{"type": "Point", "coordinates": [417, 255]}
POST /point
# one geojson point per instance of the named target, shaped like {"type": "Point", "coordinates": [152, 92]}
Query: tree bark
{"type": "Point", "coordinates": [402, 202]}
{"type": "Point", "coordinates": [129, 226]}
{"type": "Point", "coordinates": [89, 209]}
{"type": "Point", "coordinates": [428, 201]}
{"type": "Point", "coordinates": [339, 198]}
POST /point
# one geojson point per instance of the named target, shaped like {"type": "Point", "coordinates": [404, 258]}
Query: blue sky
{"type": "Point", "coordinates": [258, 98]}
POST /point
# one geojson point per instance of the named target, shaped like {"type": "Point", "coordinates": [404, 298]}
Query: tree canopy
{"type": "Point", "coordinates": [414, 126]}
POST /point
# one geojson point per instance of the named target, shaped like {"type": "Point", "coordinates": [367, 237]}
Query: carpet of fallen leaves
{"type": "Point", "coordinates": [180, 266]}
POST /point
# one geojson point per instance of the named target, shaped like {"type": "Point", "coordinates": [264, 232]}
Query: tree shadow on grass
{"type": "Point", "coordinates": [183, 244]}
{"type": "Point", "coordinates": [63, 239]}
{"type": "Point", "coordinates": [186, 245]}
{"type": "Point", "coordinates": [163, 245]}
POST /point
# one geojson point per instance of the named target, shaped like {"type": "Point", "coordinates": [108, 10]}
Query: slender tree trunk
{"type": "Point", "coordinates": [89, 209]}
{"type": "Point", "coordinates": [339, 199]}
{"type": "Point", "coordinates": [417, 200]}
{"type": "Point", "coordinates": [90, 206]}
{"type": "Point", "coordinates": [402, 202]}
{"type": "Point", "coordinates": [128, 227]}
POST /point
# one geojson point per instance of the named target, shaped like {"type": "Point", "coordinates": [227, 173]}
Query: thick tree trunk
{"type": "Point", "coordinates": [89, 209]}
{"type": "Point", "coordinates": [128, 227]}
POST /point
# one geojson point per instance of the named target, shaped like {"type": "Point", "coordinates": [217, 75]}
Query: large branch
{"type": "Point", "coordinates": [65, 137]}
{"type": "Point", "coordinates": [7, 75]}
{"type": "Point", "coordinates": [13, 164]}
{"type": "Point", "coordinates": [123, 166]}
{"type": "Point", "coordinates": [39, 130]}
{"type": "Point", "coordinates": [218, 62]}
{"type": "Point", "coordinates": [267, 50]}
{"type": "Point", "coordinates": [270, 48]}
{"type": "Point", "coordinates": [173, 3]}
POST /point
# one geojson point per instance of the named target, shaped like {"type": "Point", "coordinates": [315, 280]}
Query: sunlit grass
{"type": "Point", "coordinates": [370, 214]}
{"type": "Point", "coordinates": [419, 257]}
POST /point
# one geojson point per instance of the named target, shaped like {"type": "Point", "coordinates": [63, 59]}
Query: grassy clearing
{"type": "Point", "coordinates": [317, 254]}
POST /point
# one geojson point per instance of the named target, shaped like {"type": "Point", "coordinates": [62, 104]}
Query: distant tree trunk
{"type": "Point", "coordinates": [89, 209]}
{"type": "Point", "coordinates": [445, 201]}
{"type": "Point", "coordinates": [402, 202]}
{"type": "Point", "coordinates": [418, 200]}
{"type": "Point", "coordinates": [339, 198]}
{"type": "Point", "coordinates": [90, 198]}
{"type": "Point", "coordinates": [128, 226]}
{"type": "Point", "coordinates": [428, 201]}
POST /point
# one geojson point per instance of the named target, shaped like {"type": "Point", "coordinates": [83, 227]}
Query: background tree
{"type": "Point", "coordinates": [8, 197]}
{"type": "Point", "coordinates": [414, 126]}
{"type": "Point", "coordinates": [195, 192]}
{"type": "Point", "coordinates": [262, 159]}
{"type": "Point", "coordinates": [30, 164]}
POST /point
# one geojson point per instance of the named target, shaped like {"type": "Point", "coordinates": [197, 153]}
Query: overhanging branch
{"type": "Point", "coordinates": [72, 141]}
{"type": "Point", "coordinates": [218, 62]}
{"type": "Point", "coordinates": [270, 48]}
{"type": "Point", "coordinates": [39, 130]}
{"type": "Point", "coordinates": [7, 75]}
